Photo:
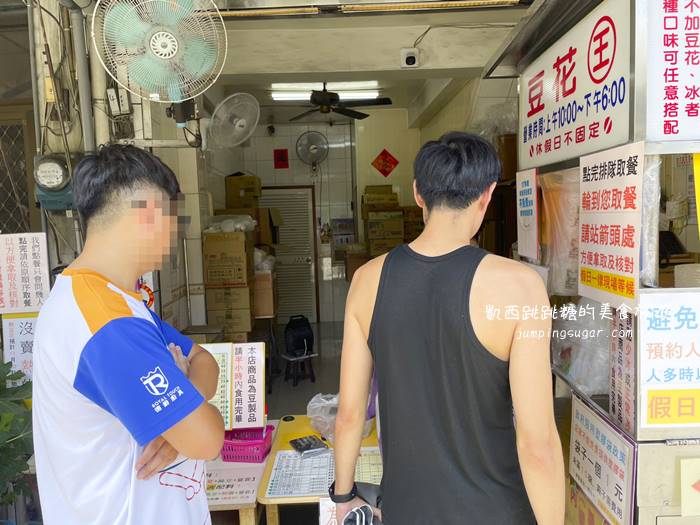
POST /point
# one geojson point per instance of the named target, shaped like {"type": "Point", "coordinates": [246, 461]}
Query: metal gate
{"type": "Point", "coordinates": [14, 198]}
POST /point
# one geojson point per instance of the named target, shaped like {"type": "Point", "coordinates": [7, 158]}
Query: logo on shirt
{"type": "Point", "coordinates": [155, 382]}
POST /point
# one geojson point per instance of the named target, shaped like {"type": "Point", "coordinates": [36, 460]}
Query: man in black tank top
{"type": "Point", "coordinates": [464, 393]}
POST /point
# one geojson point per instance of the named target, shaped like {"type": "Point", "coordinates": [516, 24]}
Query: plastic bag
{"type": "Point", "coordinates": [499, 119]}
{"type": "Point", "coordinates": [649, 271]}
{"type": "Point", "coordinates": [322, 411]}
{"type": "Point", "coordinates": [231, 223]}
{"type": "Point", "coordinates": [560, 193]}
{"type": "Point", "coordinates": [263, 261]}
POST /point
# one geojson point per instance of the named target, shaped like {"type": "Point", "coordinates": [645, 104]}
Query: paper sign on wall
{"type": "Point", "coordinates": [281, 157]}
{"type": "Point", "coordinates": [601, 461]}
{"type": "Point", "coordinates": [24, 272]}
{"type": "Point", "coordinates": [673, 70]}
{"type": "Point", "coordinates": [385, 163]}
{"type": "Point", "coordinates": [669, 350]}
{"type": "Point", "coordinates": [623, 380]}
{"type": "Point", "coordinates": [575, 98]}
{"type": "Point", "coordinates": [18, 342]}
{"type": "Point", "coordinates": [610, 218]}
{"type": "Point", "coordinates": [241, 391]}
{"type": "Point", "coordinates": [527, 209]}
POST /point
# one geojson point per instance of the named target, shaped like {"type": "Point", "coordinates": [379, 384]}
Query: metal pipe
{"type": "Point", "coordinates": [35, 87]}
{"type": "Point", "coordinates": [82, 70]}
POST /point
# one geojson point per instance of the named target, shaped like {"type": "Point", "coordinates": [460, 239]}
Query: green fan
{"type": "Point", "coordinates": [161, 50]}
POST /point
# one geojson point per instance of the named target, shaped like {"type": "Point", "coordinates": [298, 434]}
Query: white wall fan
{"type": "Point", "coordinates": [312, 148]}
{"type": "Point", "coordinates": [233, 121]}
{"type": "Point", "coordinates": [166, 51]}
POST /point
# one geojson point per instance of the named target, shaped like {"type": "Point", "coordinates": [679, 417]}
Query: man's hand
{"type": "Point", "coordinates": [342, 509]}
{"type": "Point", "coordinates": [180, 359]}
{"type": "Point", "coordinates": [157, 455]}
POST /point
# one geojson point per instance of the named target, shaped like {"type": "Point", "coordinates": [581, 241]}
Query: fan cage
{"type": "Point", "coordinates": [203, 22]}
{"type": "Point", "coordinates": [304, 143]}
{"type": "Point", "coordinates": [244, 105]}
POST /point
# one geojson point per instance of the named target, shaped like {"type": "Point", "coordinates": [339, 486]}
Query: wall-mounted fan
{"type": "Point", "coordinates": [161, 50]}
{"type": "Point", "coordinates": [312, 148]}
{"type": "Point", "coordinates": [233, 121]}
{"type": "Point", "coordinates": [327, 102]}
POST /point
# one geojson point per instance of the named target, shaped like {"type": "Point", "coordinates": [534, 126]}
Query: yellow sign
{"type": "Point", "coordinates": [580, 510]}
{"type": "Point", "coordinates": [608, 282]}
{"type": "Point", "coordinates": [690, 487]}
{"type": "Point", "coordinates": [673, 407]}
{"type": "Point", "coordinates": [696, 179]}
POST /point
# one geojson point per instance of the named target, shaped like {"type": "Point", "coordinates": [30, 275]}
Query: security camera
{"type": "Point", "coordinates": [409, 57]}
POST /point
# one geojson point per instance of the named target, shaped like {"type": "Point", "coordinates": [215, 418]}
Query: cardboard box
{"type": "Point", "coordinates": [228, 258]}
{"type": "Point", "coordinates": [265, 295]}
{"type": "Point", "coordinates": [384, 228]}
{"type": "Point", "coordinates": [229, 298]}
{"type": "Point", "coordinates": [507, 148]}
{"type": "Point", "coordinates": [243, 191]}
{"type": "Point", "coordinates": [412, 213]}
{"type": "Point", "coordinates": [343, 226]}
{"type": "Point", "coordinates": [372, 208]}
{"type": "Point", "coordinates": [380, 198]}
{"type": "Point", "coordinates": [231, 320]}
{"type": "Point", "coordinates": [269, 220]}
{"type": "Point", "coordinates": [204, 334]}
{"type": "Point", "coordinates": [353, 261]}
{"type": "Point", "coordinates": [412, 229]}
{"type": "Point", "coordinates": [381, 188]}
{"type": "Point", "coordinates": [379, 247]}
{"type": "Point", "coordinates": [236, 337]}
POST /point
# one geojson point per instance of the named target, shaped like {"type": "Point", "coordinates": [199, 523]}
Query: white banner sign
{"type": "Point", "coordinates": [241, 392]}
{"type": "Point", "coordinates": [610, 218]}
{"type": "Point", "coordinates": [623, 381]}
{"type": "Point", "coordinates": [18, 341]}
{"type": "Point", "coordinates": [528, 208]}
{"type": "Point", "coordinates": [669, 349]}
{"type": "Point", "coordinates": [575, 98]}
{"type": "Point", "coordinates": [24, 272]}
{"type": "Point", "coordinates": [601, 461]}
{"type": "Point", "coordinates": [673, 70]}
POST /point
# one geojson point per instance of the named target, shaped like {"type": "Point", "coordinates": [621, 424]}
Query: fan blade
{"type": "Point", "coordinates": [167, 13]}
{"type": "Point", "coordinates": [199, 57]}
{"type": "Point", "coordinates": [304, 114]}
{"type": "Point", "coordinates": [384, 101]}
{"type": "Point", "coordinates": [123, 25]}
{"type": "Point", "coordinates": [350, 113]}
{"type": "Point", "coordinates": [155, 75]}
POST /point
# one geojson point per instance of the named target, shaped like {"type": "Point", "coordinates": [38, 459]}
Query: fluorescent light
{"type": "Point", "coordinates": [331, 86]}
{"type": "Point", "coordinates": [306, 95]}
{"type": "Point", "coordinates": [422, 6]}
{"type": "Point", "coordinates": [254, 13]}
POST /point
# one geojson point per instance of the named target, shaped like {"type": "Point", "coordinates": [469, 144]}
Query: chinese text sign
{"type": "Point", "coordinates": [673, 70]}
{"type": "Point", "coordinates": [18, 341]}
{"type": "Point", "coordinates": [527, 205]}
{"type": "Point", "coordinates": [575, 98]}
{"type": "Point", "coordinates": [601, 461]}
{"type": "Point", "coordinates": [669, 356]}
{"type": "Point", "coordinates": [610, 218]}
{"type": "Point", "coordinates": [24, 272]}
{"type": "Point", "coordinates": [623, 384]}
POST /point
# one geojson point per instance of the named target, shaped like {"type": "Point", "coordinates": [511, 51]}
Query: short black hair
{"type": "Point", "coordinates": [116, 168]}
{"type": "Point", "coordinates": [454, 170]}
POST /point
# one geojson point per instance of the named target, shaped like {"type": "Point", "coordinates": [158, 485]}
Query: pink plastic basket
{"type": "Point", "coordinates": [247, 446]}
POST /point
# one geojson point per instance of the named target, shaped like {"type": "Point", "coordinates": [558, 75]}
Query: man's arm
{"type": "Point", "coordinates": [355, 376]}
{"type": "Point", "coordinates": [203, 371]}
{"type": "Point", "coordinates": [539, 447]}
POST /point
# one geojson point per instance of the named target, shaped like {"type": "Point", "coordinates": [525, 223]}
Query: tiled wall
{"type": "Point", "coordinates": [333, 182]}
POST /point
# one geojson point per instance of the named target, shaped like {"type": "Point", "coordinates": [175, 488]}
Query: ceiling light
{"type": "Point", "coordinates": [283, 11]}
{"type": "Point", "coordinates": [306, 95]}
{"type": "Point", "coordinates": [422, 6]}
{"type": "Point", "coordinates": [331, 86]}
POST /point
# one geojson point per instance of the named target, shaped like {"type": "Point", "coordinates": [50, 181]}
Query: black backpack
{"type": "Point", "coordinates": [299, 337]}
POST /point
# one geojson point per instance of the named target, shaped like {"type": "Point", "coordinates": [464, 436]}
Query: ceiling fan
{"type": "Point", "coordinates": [327, 102]}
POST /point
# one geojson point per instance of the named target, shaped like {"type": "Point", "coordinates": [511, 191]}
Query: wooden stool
{"type": "Point", "coordinates": [297, 368]}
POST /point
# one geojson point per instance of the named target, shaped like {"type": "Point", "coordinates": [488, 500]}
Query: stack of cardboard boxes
{"type": "Point", "coordinates": [412, 223]}
{"type": "Point", "coordinates": [235, 294]}
{"type": "Point", "coordinates": [383, 219]}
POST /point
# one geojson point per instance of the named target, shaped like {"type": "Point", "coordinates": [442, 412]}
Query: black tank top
{"type": "Point", "coordinates": [446, 413]}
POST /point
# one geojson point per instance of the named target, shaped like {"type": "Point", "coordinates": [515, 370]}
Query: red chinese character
{"type": "Point", "coordinates": [692, 109]}
{"type": "Point", "coordinates": [585, 203]}
{"type": "Point", "coordinates": [671, 75]}
{"type": "Point", "coordinates": [628, 236]}
{"type": "Point", "coordinates": [565, 67]}
{"type": "Point", "coordinates": [580, 134]}
{"type": "Point", "coordinates": [601, 49]}
{"type": "Point", "coordinates": [671, 40]}
{"type": "Point", "coordinates": [670, 109]}
{"type": "Point", "coordinates": [629, 265]}
{"type": "Point", "coordinates": [692, 6]}
{"type": "Point", "coordinates": [692, 92]}
{"type": "Point", "coordinates": [692, 57]}
{"type": "Point", "coordinates": [595, 200]}
{"type": "Point", "coordinates": [594, 130]}
{"type": "Point", "coordinates": [692, 23]}
{"type": "Point", "coordinates": [535, 91]}
{"type": "Point", "coordinates": [585, 231]}
{"type": "Point", "coordinates": [557, 142]}
{"type": "Point", "coordinates": [630, 197]}
{"type": "Point", "coordinates": [615, 234]}
{"type": "Point", "coordinates": [539, 148]}
{"type": "Point", "coordinates": [670, 23]}
{"type": "Point", "coordinates": [670, 6]}
{"type": "Point", "coordinates": [548, 145]}
{"type": "Point", "coordinates": [692, 40]}
{"type": "Point", "coordinates": [671, 57]}
{"type": "Point", "coordinates": [567, 138]}
{"type": "Point", "coordinates": [605, 198]}
{"type": "Point", "coordinates": [671, 127]}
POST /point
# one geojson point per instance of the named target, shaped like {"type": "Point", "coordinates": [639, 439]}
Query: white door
{"type": "Point", "coordinates": [296, 252]}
